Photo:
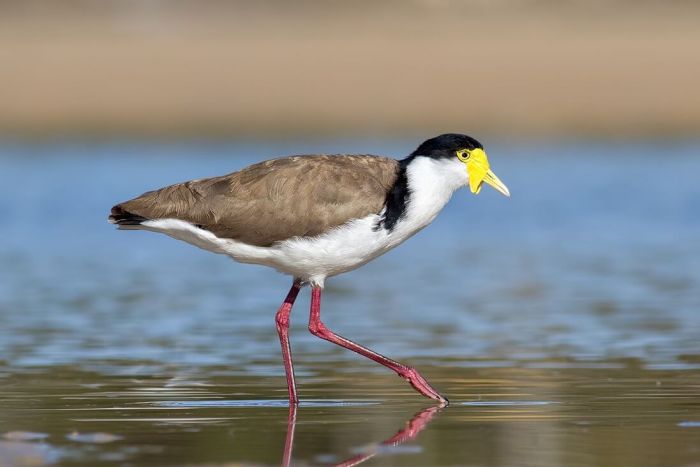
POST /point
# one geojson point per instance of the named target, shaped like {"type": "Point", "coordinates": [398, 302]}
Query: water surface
{"type": "Point", "coordinates": [563, 323]}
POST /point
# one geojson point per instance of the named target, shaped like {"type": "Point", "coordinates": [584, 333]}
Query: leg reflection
{"type": "Point", "coordinates": [409, 432]}
{"type": "Point", "coordinates": [289, 441]}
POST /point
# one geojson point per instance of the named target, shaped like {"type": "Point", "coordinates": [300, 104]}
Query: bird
{"type": "Point", "coordinates": [313, 217]}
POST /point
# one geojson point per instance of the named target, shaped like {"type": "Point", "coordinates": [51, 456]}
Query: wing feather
{"type": "Point", "coordinates": [276, 199]}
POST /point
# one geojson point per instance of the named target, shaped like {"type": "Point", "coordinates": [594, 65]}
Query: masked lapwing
{"type": "Point", "coordinates": [316, 216]}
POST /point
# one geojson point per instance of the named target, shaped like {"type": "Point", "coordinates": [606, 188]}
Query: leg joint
{"type": "Point", "coordinates": [282, 318]}
{"type": "Point", "coordinates": [317, 328]}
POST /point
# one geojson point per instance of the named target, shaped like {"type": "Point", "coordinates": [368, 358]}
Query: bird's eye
{"type": "Point", "coordinates": [463, 155]}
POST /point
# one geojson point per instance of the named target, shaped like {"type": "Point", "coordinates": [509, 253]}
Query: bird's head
{"type": "Point", "coordinates": [467, 151]}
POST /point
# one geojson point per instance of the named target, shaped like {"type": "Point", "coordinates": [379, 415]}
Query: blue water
{"type": "Point", "coordinates": [595, 255]}
{"type": "Point", "coordinates": [576, 300]}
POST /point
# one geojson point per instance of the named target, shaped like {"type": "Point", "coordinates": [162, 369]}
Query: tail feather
{"type": "Point", "coordinates": [120, 216]}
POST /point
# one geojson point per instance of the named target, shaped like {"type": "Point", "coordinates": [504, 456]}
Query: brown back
{"type": "Point", "coordinates": [276, 199]}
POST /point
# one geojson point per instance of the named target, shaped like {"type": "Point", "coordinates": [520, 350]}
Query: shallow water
{"type": "Point", "coordinates": [563, 323]}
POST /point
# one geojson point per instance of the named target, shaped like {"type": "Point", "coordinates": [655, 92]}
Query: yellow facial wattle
{"type": "Point", "coordinates": [479, 171]}
{"type": "Point", "coordinates": [477, 167]}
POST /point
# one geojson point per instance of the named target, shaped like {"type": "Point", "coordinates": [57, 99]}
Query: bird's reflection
{"type": "Point", "coordinates": [409, 432]}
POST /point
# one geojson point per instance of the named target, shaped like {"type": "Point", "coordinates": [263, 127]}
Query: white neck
{"type": "Point", "coordinates": [431, 183]}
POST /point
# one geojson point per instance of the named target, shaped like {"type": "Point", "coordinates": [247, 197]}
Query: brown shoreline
{"type": "Point", "coordinates": [614, 71]}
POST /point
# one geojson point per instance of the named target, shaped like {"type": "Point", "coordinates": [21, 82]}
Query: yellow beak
{"type": "Point", "coordinates": [480, 172]}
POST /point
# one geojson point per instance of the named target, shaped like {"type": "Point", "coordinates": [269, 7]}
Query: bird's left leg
{"type": "Point", "coordinates": [411, 375]}
{"type": "Point", "coordinates": [282, 322]}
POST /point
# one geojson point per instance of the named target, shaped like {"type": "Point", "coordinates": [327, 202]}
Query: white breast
{"type": "Point", "coordinates": [431, 183]}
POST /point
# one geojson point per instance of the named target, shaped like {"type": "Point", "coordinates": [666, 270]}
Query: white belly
{"type": "Point", "coordinates": [311, 259]}
{"type": "Point", "coordinates": [340, 250]}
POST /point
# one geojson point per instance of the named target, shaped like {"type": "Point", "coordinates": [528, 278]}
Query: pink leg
{"type": "Point", "coordinates": [282, 320]}
{"type": "Point", "coordinates": [411, 375]}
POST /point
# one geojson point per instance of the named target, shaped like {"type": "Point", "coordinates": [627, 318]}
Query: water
{"type": "Point", "coordinates": [563, 323]}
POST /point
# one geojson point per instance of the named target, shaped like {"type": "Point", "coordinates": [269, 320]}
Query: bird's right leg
{"type": "Point", "coordinates": [411, 375]}
{"type": "Point", "coordinates": [282, 321]}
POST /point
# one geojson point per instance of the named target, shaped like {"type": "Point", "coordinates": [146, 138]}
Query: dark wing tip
{"type": "Point", "coordinates": [120, 216]}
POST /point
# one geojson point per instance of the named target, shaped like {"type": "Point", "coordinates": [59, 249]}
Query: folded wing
{"type": "Point", "coordinates": [273, 200]}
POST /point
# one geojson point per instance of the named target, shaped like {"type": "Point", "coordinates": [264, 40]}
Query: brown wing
{"type": "Point", "coordinates": [276, 199]}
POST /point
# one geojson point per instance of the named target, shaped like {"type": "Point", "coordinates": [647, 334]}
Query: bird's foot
{"type": "Point", "coordinates": [422, 386]}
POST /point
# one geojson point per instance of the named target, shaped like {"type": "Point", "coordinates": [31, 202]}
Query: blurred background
{"type": "Point", "coordinates": [563, 323]}
{"type": "Point", "coordinates": [270, 68]}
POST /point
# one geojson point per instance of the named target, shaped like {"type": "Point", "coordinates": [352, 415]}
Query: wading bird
{"type": "Point", "coordinates": [314, 217]}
